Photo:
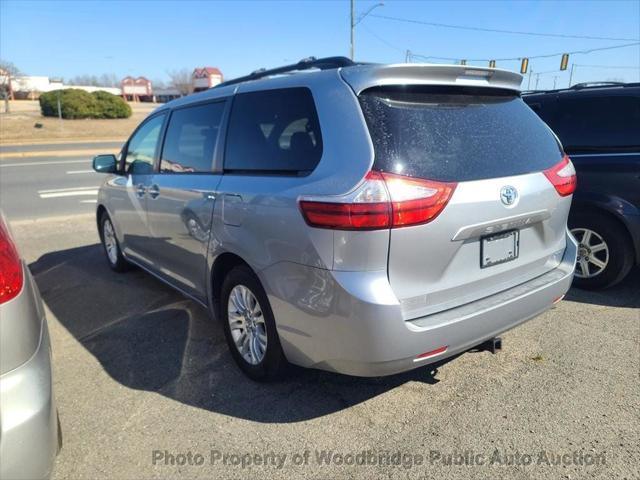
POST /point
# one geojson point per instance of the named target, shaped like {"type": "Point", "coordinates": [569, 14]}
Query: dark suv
{"type": "Point", "coordinates": [599, 126]}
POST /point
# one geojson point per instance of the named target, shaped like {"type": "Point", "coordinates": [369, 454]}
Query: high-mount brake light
{"type": "Point", "coordinates": [383, 200]}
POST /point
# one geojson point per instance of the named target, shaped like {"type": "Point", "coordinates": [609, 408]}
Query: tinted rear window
{"type": "Point", "coordinates": [273, 131]}
{"type": "Point", "coordinates": [456, 134]}
{"type": "Point", "coordinates": [191, 139]}
{"type": "Point", "coordinates": [594, 123]}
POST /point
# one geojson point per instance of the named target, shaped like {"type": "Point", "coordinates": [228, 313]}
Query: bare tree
{"type": "Point", "coordinates": [157, 83]}
{"type": "Point", "coordinates": [109, 80]}
{"type": "Point", "coordinates": [10, 68]}
{"type": "Point", "coordinates": [7, 70]}
{"type": "Point", "coordinates": [104, 80]}
{"type": "Point", "coordinates": [181, 81]}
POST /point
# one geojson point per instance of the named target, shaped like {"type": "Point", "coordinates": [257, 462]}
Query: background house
{"type": "Point", "coordinates": [205, 77]}
{"type": "Point", "coordinates": [137, 89]}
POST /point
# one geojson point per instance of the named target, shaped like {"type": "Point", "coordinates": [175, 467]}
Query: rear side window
{"type": "Point", "coordinates": [454, 134]}
{"type": "Point", "coordinates": [594, 123]}
{"type": "Point", "coordinates": [191, 139]}
{"type": "Point", "coordinates": [273, 131]}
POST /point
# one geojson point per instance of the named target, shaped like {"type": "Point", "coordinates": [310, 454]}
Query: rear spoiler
{"type": "Point", "coordinates": [362, 77]}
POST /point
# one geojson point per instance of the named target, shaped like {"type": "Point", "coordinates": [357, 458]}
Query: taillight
{"type": "Point", "coordinates": [415, 201]}
{"type": "Point", "coordinates": [563, 176]}
{"type": "Point", "coordinates": [383, 200]}
{"type": "Point", "coordinates": [11, 277]}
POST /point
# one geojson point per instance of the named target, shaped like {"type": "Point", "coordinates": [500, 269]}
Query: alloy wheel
{"type": "Point", "coordinates": [110, 242]}
{"type": "Point", "coordinates": [593, 253]}
{"type": "Point", "coordinates": [247, 324]}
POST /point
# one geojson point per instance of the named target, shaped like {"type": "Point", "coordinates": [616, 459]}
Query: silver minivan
{"type": "Point", "coordinates": [30, 435]}
{"type": "Point", "coordinates": [359, 218]}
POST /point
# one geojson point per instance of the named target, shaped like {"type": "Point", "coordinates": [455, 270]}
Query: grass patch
{"type": "Point", "coordinates": [19, 125]}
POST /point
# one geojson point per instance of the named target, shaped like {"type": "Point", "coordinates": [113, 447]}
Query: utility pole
{"type": "Point", "coordinates": [571, 74]}
{"type": "Point", "coordinates": [537, 80]}
{"type": "Point", "coordinates": [353, 8]}
{"type": "Point", "coordinates": [407, 56]}
{"type": "Point", "coordinates": [355, 22]}
{"type": "Point", "coordinates": [529, 80]}
{"type": "Point", "coordinates": [555, 78]}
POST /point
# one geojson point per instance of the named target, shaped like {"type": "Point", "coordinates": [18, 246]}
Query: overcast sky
{"type": "Point", "coordinates": [65, 39]}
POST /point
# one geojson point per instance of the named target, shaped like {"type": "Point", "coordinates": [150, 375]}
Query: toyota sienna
{"type": "Point", "coordinates": [359, 218]}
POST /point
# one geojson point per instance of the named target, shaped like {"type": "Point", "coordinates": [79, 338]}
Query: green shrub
{"type": "Point", "coordinates": [75, 103]}
{"type": "Point", "coordinates": [111, 106]}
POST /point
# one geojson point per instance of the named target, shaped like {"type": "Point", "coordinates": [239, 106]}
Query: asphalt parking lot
{"type": "Point", "coordinates": [146, 389]}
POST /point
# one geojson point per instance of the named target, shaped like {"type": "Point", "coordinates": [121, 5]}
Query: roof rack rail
{"type": "Point", "coordinates": [584, 86]}
{"type": "Point", "coordinates": [304, 64]}
{"type": "Point", "coordinates": [578, 86]}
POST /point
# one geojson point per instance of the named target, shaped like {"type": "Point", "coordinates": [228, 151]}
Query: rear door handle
{"type": "Point", "coordinates": [154, 191]}
{"type": "Point", "coordinates": [141, 190]}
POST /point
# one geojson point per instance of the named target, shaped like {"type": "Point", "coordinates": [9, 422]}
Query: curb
{"type": "Point", "coordinates": [69, 141]}
{"type": "Point", "coordinates": [57, 153]}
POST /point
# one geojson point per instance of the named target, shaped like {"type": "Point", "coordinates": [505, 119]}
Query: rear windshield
{"type": "Point", "coordinates": [456, 134]}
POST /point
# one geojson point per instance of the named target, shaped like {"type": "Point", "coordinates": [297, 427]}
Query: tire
{"type": "Point", "coordinates": [116, 261]}
{"type": "Point", "coordinates": [257, 362]}
{"type": "Point", "coordinates": [617, 254]}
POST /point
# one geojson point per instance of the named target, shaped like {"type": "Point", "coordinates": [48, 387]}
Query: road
{"type": "Point", "coordinates": [140, 369]}
{"type": "Point", "coordinates": [46, 186]}
{"type": "Point", "coordinates": [144, 380]}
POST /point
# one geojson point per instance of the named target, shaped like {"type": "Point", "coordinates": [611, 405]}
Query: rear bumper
{"type": "Point", "coordinates": [28, 416]}
{"type": "Point", "coordinates": [350, 322]}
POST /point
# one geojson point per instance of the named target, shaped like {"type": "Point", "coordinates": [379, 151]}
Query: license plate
{"type": "Point", "coordinates": [499, 248]}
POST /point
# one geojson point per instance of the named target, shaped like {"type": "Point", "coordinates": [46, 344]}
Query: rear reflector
{"type": "Point", "coordinates": [563, 176]}
{"type": "Point", "coordinates": [432, 353]}
{"type": "Point", "coordinates": [382, 200]}
{"type": "Point", "coordinates": [11, 277]}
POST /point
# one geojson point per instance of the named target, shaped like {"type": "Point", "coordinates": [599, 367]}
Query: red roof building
{"type": "Point", "coordinates": [206, 77]}
{"type": "Point", "coordinates": [136, 88]}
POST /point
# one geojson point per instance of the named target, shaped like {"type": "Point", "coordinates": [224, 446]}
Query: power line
{"type": "Point", "coordinates": [637, 67]}
{"type": "Point", "coordinates": [549, 55]}
{"type": "Point", "coordinates": [388, 44]}
{"type": "Point", "coordinates": [494, 30]}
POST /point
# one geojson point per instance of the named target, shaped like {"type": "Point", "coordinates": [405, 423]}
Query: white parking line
{"type": "Point", "coordinates": [74, 193]}
{"type": "Point", "coordinates": [77, 172]}
{"type": "Point", "coordinates": [73, 189]}
{"type": "Point", "coordinates": [88, 201]}
{"type": "Point", "coordinates": [68, 192]}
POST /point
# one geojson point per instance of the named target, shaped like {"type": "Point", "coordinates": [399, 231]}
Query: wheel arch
{"type": "Point", "coordinates": [221, 266]}
{"type": "Point", "coordinates": [615, 209]}
{"type": "Point", "coordinates": [101, 210]}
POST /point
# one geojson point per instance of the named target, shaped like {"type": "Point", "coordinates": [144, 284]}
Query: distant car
{"type": "Point", "coordinates": [599, 127]}
{"type": "Point", "coordinates": [365, 219]}
{"type": "Point", "coordinates": [29, 428]}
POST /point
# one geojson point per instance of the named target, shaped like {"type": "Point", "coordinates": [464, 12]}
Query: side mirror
{"type": "Point", "coordinates": [105, 164]}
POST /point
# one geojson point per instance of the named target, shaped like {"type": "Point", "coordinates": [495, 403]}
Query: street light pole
{"type": "Point", "coordinates": [355, 22]}
{"type": "Point", "coordinates": [571, 74]}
